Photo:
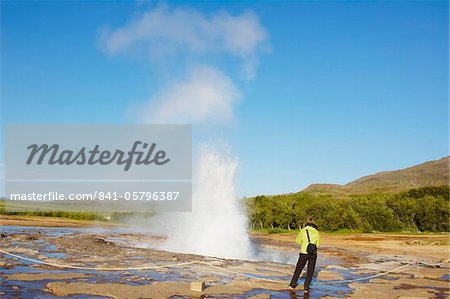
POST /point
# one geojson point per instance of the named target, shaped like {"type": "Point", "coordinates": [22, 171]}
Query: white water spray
{"type": "Point", "coordinates": [217, 225]}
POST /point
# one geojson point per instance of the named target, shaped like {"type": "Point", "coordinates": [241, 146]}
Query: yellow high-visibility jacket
{"type": "Point", "coordinates": [302, 238]}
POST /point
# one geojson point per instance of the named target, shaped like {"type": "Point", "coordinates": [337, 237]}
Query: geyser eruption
{"type": "Point", "coordinates": [217, 225]}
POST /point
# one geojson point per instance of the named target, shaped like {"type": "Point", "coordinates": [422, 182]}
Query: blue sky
{"type": "Point", "coordinates": [340, 89]}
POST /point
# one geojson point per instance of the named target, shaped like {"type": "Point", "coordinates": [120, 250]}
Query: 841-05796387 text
{"type": "Point", "coordinates": [99, 195]}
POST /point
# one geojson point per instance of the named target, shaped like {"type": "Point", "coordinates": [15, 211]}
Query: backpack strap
{"type": "Point", "coordinates": [307, 233]}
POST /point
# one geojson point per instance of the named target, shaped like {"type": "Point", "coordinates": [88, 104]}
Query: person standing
{"type": "Point", "coordinates": [309, 240]}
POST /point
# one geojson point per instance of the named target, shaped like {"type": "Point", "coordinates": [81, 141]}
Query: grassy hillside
{"type": "Point", "coordinates": [431, 173]}
{"type": "Point", "coordinates": [411, 199]}
{"type": "Point", "coordinates": [421, 209]}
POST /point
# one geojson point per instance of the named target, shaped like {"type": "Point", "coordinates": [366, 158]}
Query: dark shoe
{"type": "Point", "coordinates": [293, 286]}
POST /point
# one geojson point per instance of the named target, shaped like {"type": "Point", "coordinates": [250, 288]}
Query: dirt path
{"type": "Point", "coordinates": [12, 220]}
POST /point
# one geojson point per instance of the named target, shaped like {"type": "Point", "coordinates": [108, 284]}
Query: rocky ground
{"type": "Point", "coordinates": [343, 257]}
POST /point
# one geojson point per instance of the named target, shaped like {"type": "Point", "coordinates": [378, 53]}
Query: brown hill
{"type": "Point", "coordinates": [431, 173]}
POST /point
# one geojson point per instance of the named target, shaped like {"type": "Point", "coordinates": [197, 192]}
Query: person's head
{"type": "Point", "coordinates": [309, 219]}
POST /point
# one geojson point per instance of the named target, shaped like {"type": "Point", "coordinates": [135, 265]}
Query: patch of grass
{"type": "Point", "coordinates": [275, 230]}
{"type": "Point", "coordinates": [344, 231]}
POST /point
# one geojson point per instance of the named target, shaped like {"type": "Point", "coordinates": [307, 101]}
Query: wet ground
{"type": "Point", "coordinates": [115, 247]}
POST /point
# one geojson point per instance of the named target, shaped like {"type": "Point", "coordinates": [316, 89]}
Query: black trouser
{"type": "Point", "coordinates": [302, 259]}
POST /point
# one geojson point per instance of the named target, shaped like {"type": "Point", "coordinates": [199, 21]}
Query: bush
{"type": "Point", "coordinates": [421, 209]}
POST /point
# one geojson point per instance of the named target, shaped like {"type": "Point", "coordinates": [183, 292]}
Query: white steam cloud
{"type": "Point", "coordinates": [179, 38]}
{"type": "Point", "coordinates": [165, 31]}
{"type": "Point", "coordinates": [205, 96]}
{"type": "Point", "coordinates": [167, 34]}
